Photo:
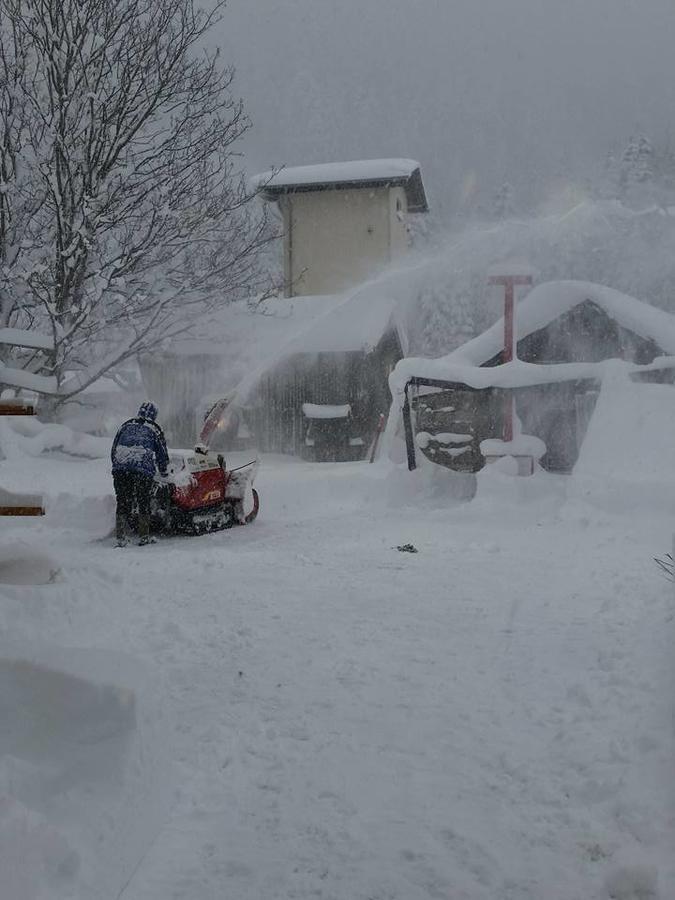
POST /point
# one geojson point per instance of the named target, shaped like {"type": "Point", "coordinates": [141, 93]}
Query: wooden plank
{"type": "Point", "coordinates": [22, 511]}
{"type": "Point", "coordinates": [16, 408]}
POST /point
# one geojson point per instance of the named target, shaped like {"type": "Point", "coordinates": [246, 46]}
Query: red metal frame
{"type": "Point", "coordinates": [204, 489]}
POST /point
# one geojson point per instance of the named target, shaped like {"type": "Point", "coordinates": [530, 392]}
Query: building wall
{"type": "Point", "coordinates": [274, 413]}
{"type": "Point", "coordinates": [336, 239]}
{"type": "Point", "coordinates": [398, 225]}
{"type": "Point", "coordinates": [179, 384]}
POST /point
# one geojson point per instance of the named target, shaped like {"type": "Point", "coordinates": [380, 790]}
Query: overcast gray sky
{"type": "Point", "coordinates": [480, 91]}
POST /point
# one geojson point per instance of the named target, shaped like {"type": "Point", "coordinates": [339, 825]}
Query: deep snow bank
{"type": "Point", "coordinates": [83, 779]}
{"type": "Point", "coordinates": [429, 485]}
{"type": "Point", "coordinates": [93, 514]}
{"type": "Point", "coordinates": [626, 457]}
{"type": "Point", "coordinates": [21, 437]}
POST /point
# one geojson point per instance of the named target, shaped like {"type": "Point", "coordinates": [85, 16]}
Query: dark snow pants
{"type": "Point", "coordinates": [133, 493]}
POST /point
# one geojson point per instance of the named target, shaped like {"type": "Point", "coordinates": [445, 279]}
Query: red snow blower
{"type": "Point", "coordinates": [201, 495]}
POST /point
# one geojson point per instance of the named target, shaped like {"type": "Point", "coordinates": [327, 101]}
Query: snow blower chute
{"type": "Point", "coordinates": [201, 495]}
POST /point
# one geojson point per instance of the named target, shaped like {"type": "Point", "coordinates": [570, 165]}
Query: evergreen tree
{"type": "Point", "coordinates": [636, 170]}
{"type": "Point", "coordinates": [609, 187]}
{"type": "Point", "coordinates": [503, 203]}
{"type": "Point", "coordinates": [664, 173]}
{"type": "Point", "coordinates": [644, 162]}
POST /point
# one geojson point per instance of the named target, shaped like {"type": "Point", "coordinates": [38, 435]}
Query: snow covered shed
{"type": "Point", "coordinates": [278, 362]}
{"type": "Point", "coordinates": [321, 395]}
{"type": "Point", "coordinates": [342, 222]}
{"type": "Point", "coordinates": [218, 353]}
{"type": "Point", "coordinates": [569, 335]}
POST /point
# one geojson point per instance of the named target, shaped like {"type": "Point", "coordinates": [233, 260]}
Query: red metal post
{"type": "Point", "coordinates": [509, 282]}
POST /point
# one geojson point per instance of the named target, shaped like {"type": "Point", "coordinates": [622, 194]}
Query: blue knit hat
{"type": "Point", "coordinates": [148, 411]}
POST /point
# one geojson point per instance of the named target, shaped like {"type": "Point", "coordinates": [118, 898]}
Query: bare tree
{"type": "Point", "coordinates": [123, 214]}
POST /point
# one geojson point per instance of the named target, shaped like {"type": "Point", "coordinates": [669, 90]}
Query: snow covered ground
{"type": "Point", "coordinates": [490, 718]}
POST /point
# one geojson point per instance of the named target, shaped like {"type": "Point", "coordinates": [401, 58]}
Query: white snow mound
{"type": "Point", "coordinates": [81, 762]}
{"type": "Point", "coordinates": [94, 515]}
{"type": "Point", "coordinates": [626, 456]}
{"type": "Point", "coordinates": [20, 564]}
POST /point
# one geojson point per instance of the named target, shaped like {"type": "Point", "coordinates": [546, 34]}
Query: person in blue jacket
{"type": "Point", "coordinates": [138, 455]}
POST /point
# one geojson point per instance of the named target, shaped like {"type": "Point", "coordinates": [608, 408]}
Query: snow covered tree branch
{"type": "Point", "coordinates": [123, 214]}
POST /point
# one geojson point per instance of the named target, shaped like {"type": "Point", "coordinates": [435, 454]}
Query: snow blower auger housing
{"type": "Point", "coordinates": [201, 495]}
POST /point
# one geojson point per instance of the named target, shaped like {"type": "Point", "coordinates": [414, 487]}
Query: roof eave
{"type": "Point", "coordinates": [413, 185]}
{"type": "Point", "coordinates": [414, 189]}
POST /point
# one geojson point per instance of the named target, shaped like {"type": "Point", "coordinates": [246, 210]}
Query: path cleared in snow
{"type": "Point", "coordinates": [490, 718]}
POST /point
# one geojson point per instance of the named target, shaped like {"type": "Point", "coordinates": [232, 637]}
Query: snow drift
{"type": "Point", "coordinates": [626, 457]}
{"type": "Point", "coordinates": [82, 772]}
{"type": "Point", "coordinates": [21, 564]}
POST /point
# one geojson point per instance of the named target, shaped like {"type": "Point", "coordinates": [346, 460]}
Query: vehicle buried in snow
{"type": "Point", "coordinates": [330, 433]}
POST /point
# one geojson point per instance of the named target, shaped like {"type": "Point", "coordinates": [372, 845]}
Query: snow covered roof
{"type": "Point", "coordinates": [20, 378]}
{"type": "Point", "coordinates": [356, 323]}
{"type": "Point", "coordinates": [255, 333]}
{"type": "Point", "coordinates": [542, 305]}
{"type": "Point", "coordinates": [362, 173]}
{"type": "Point", "coordinates": [246, 345]}
{"type": "Point", "coordinates": [548, 301]}
{"type": "Point", "coordinates": [281, 327]}
{"type": "Point", "coordinates": [326, 411]}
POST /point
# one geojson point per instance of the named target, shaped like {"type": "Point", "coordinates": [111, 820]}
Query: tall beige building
{"type": "Point", "coordinates": [343, 222]}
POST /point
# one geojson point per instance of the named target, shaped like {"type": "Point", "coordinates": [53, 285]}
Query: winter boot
{"type": "Point", "coordinates": [144, 531]}
{"type": "Point", "coordinates": [120, 531]}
